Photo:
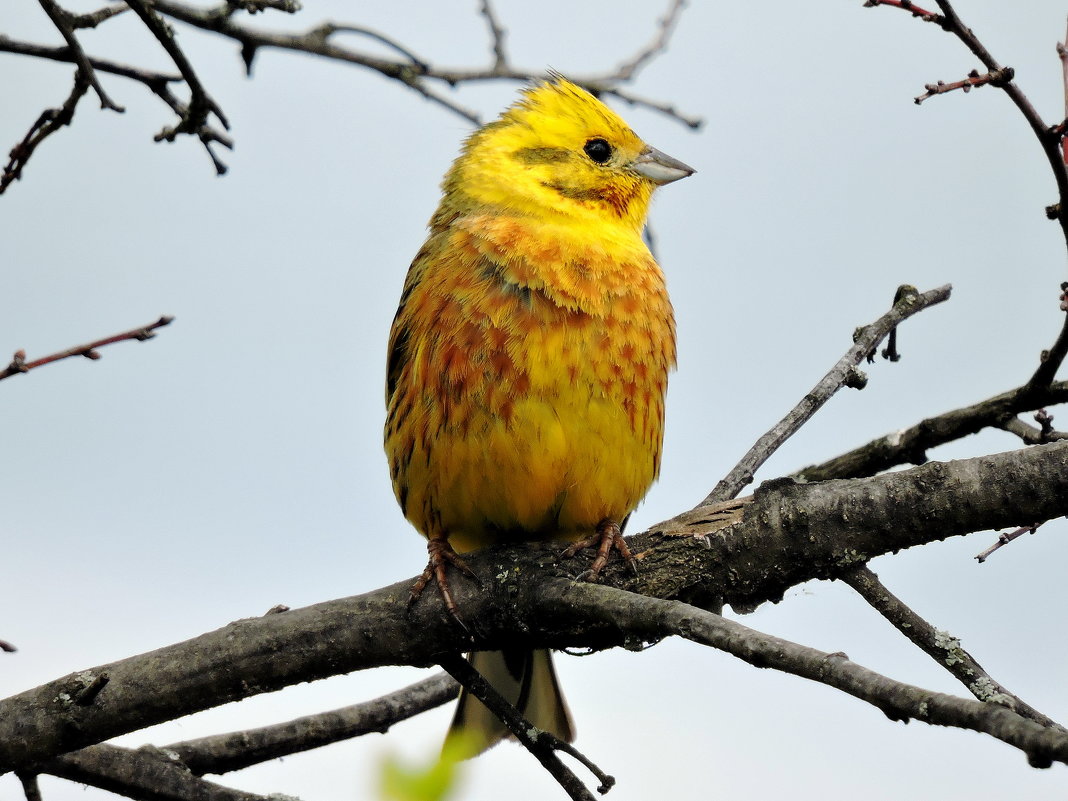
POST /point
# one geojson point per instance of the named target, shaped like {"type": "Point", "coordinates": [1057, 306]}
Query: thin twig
{"type": "Point", "coordinates": [904, 5]}
{"type": "Point", "coordinates": [942, 647]}
{"type": "Point", "coordinates": [409, 74]}
{"type": "Point", "coordinates": [497, 34]}
{"type": "Point", "coordinates": [414, 72]}
{"type": "Point", "coordinates": [1049, 141]}
{"type": "Point", "coordinates": [1050, 361]}
{"type": "Point", "coordinates": [62, 20]}
{"type": "Point", "coordinates": [629, 69]}
{"type": "Point", "coordinates": [1004, 539]}
{"type": "Point", "coordinates": [94, 18]}
{"type": "Point", "coordinates": [50, 121]}
{"type": "Point", "coordinates": [147, 77]}
{"type": "Point", "coordinates": [330, 28]}
{"type": "Point", "coordinates": [20, 365]}
{"type": "Point", "coordinates": [542, 744]}
{"type": "Point", "coordinates": [194, 120]}
{"type": "Point", "coordinates": [974, 80]}
{"type": "Point", "coordinates": [843, 373]}
{"type": "Point", "coordinates": [667, 109]}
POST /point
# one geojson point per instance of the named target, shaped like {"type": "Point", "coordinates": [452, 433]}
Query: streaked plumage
{"type": "Point", "coordinates": [528, 359]}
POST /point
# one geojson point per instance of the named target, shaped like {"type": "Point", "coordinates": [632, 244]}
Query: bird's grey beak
{"type": "Point", "coordinates": [659, 167]}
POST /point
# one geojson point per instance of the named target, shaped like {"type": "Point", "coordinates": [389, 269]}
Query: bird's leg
{"type": "Point", "coordinates": [606, 536]}
{"type": "Point", "coordinates": [441, 555]}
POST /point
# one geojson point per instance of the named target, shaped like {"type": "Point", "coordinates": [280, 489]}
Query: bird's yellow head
{"type": "Point", "coordinates": [561, 153]}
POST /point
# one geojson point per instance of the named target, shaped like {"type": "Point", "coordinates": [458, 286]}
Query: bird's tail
{"type": "Point", "coordinates": [526, 679]}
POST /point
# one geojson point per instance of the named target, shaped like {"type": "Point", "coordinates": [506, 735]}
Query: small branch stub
{"type": "Point", "coordinates": [1005, 538]}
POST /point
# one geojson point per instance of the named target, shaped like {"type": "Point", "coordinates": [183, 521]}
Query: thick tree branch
{"type": "Point", "coordinates": [907, 303]}
{"type": "Point", "coordinates": [787, 534]}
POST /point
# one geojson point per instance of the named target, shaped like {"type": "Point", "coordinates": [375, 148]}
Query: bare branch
{"type": "Point", "coordinates": [667, 109]}
{"type": "Point", "coordinates": [497, 34]}
{"type": "Point", "coordinates": [628, 70]}
{"type": "Point", "coordinates": [222, 753]}
{"type": "Point", "coordinates": [657, 618]}
{"type": "Point", "coordinates": [542, 744]}
{"type": "Point", "coordinates": [194, 117]}
{"type": "Point", "coordinates": [1050, 361]}
{"type": "Point", "coordinates": [1049, 141]}
{"type": "Point", "coordinates": [50, 121]}
{"type": "Point", "coordinates": [906, 5]}
{"type": "Point", "coordinates": [910, 445]}
{"type": "Point", "coordinates": [7, 647]}
{"type": "Point", "coordinates": [63, 22]}
{"type": "Point", "coordinates": [413, 73]}
{"type": "Point", "coordinates": [148, 77]}
{"type": "Point", "coordinates": [20, 365]}
{"type": "Point", "coordinates": [1031, 435]}
{"type": "Point", "coordinates": [974, 80]}
{"type": "Point", "coordinates": [1005, 539]}
{"type": "Point", "coordinates": [329, 28]}
{"type": "Point", "coordinates": [792, 532]}
{"type": "Point", "coordinates": [94, 18]}
{"type": "Point", "coordinates": [142, 774]}
{"type": "Point", "coordinates": [943, 648]}
{"type": "Point", "coordinates": [844, 372]}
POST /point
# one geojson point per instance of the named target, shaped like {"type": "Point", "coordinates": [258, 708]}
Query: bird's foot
{"type": "Point", "coordinates": [606, 537]}
{"type": "Point", "coordinates": [441, 555]}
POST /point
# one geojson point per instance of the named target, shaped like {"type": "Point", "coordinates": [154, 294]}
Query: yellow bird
{"type": "Point", "coordinates": [529, 357]}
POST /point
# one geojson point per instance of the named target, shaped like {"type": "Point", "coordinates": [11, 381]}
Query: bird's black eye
{"type": "Point", "coordinates": [599, 150]}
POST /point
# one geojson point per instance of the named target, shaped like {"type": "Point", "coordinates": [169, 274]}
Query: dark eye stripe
{"type": "Point", "coordinates": [541, 155]}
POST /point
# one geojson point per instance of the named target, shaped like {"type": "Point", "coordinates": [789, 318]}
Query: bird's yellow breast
{"type": "Point", "coordinates": [528, 367]}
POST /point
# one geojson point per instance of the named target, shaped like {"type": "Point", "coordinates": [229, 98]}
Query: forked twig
{"type": "Point", "coordinates": [63, 22]}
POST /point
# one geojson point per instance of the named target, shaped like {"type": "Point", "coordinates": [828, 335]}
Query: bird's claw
{"type": "Point", "coordinates": [606, 537]}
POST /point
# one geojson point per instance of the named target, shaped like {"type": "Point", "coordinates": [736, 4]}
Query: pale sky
{"type": "Point", "coordinates": [235, 462]}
